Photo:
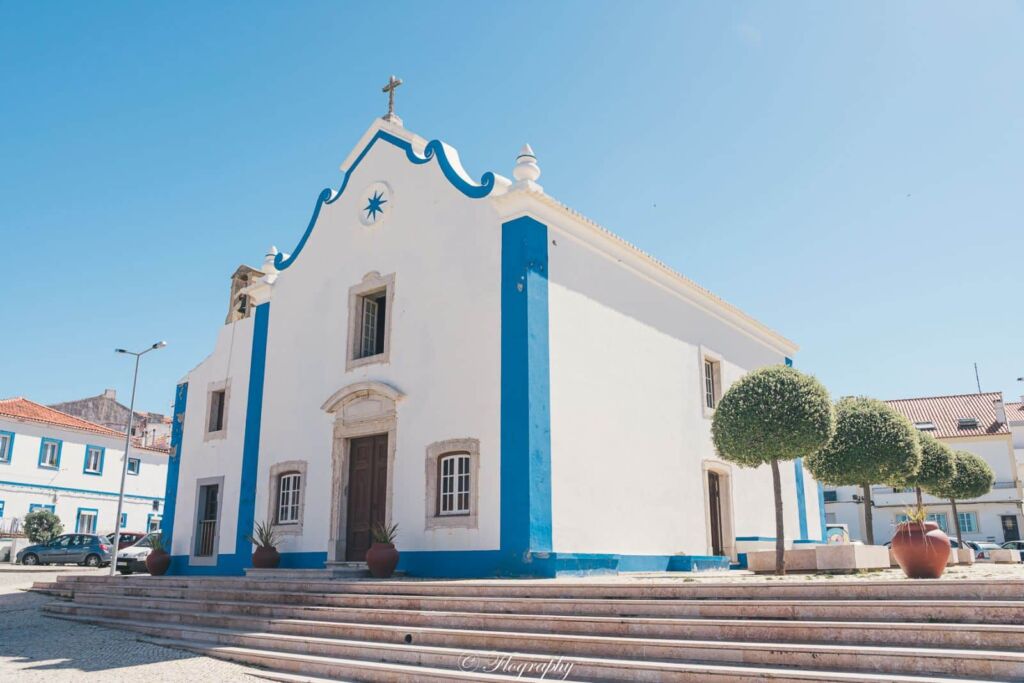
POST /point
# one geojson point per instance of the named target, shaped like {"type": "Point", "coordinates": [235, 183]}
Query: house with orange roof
{"type": "Point", "coordinates": [978, 423]}
{"type": "Point", "coordinates": [71, 466]}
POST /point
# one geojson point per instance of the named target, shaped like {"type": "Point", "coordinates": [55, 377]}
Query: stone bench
{"type": "Point", "coordinates": [845, 557]}
{"type": "Point", "coordinates": [1004, 556]}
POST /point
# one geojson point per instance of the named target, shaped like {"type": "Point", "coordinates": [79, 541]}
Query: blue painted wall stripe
{"type": "Point", "coordinates": [251, 443]}
{"type": "Point", "coordinates": [174, 465]}
{"type": "Point", "coordinates": [525, 393]}
{"type": "Point", "coordinates": [68, 489]}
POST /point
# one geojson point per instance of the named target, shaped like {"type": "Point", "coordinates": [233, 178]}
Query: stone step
{"type": "Point", "coordinates": [347, 573]}
{"type": "Point", "coordinates": [654, 589]}
{"type": "Point", "coordinates": [928, 634]}
{"type": "Point", "coordinates": [584, 667]}
{"type": "Point", "coordinates": [52, 588]}
{"type": "Point", "coordinates": [955, 611]}
{"type": "Point", "coordinates": [329, 670]}
{"type": "Point", "coordinates": [281, 665]}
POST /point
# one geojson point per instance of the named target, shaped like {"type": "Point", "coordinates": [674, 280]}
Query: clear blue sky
{"type": "Point", "coordinates": [852, 174]}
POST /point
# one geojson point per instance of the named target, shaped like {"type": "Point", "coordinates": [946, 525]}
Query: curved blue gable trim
{"type": "Point", "coordinates": [435, 148]}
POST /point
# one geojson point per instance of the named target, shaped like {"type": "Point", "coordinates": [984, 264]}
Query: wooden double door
{"type": "Point", "coordinates": [367, 493]}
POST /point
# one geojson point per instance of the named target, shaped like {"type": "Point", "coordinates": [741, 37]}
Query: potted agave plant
{"type": "Point", "coordinates": [265, 539]}
{"type": "Point", "coordinates": [382, 558]}
{"type": "Point", "coordinates": [921, 548]}
{"type": "Point", "coordinates": [158, 560]}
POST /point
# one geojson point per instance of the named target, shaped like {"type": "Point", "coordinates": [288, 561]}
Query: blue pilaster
{"type": "Point", "coordinates": [251, 442]}
{"type": "Point", "coordinates": [174, 465]}
{"type": "Point", "coordinates": [525, 394]}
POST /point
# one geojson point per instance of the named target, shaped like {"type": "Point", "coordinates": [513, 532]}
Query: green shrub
{"type": "Point", "coordinates": [42, 526]}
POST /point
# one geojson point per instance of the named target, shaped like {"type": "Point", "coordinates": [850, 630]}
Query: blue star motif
{"type": "Point", "coordinates": [375, 205]}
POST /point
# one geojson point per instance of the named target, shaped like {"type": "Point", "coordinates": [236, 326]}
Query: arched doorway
{"type": "Point", "coordinates": [362, 465]}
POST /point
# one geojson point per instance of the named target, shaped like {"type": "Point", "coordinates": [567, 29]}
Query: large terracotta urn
{"type": "Point", "coordinates": [381, 559]}
{"type": "Point", "coordinates": [157, 562]}
{"type": "Point", "coordinates": [921, 549]}
{"type": "Point", "coordinates": [265, 557]}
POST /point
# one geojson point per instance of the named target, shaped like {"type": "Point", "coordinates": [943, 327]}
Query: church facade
{"type": "Point", "coordinates": [518, 389]}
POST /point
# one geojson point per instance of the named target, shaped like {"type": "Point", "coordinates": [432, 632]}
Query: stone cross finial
{"type": "Point", "coordinates": [390, 90]}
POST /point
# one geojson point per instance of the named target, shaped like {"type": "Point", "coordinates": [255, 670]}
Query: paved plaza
{"type": "Point", "coordinates": [38, 648]}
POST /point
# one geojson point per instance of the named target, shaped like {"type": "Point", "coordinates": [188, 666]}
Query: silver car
{"type": "Point", "coordinates": [90, 550]}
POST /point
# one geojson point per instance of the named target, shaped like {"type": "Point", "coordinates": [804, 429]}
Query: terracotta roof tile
{"type": "Point", "coordinates": [1015, 412]}
{"type": "Point", "coordinates": [24, 409]}
{"type": "Point", "coordinates": [945, 412]}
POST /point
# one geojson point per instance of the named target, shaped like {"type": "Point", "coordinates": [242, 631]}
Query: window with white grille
{"type": "Point", "coordinates": [710, 399]}
{"type": "Point", "coordinates": [93, 460]}
{"type": "Point", "coordinates": [289, 490]}
{"type": "Point", "coordinates": [86, 522]}
{"type": "Point", "coordinates": [453, 484]}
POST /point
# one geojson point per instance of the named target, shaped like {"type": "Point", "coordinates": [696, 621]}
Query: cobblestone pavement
{"type": "Point", "coordinates": [38, 648]}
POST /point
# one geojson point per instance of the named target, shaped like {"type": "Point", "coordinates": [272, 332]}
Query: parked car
{"type": "Point", "coordinates": [1015, 545]}
{"type": "Point", "coordinates": [973, 545]}
{"type": "Point", "coordinates": [982, 553]}
{"type": "Point", "coordinates": [127, 538]}
{"type": "Point", "coordinates": [85, 549]}
{"type": "Point", "coordinates": [133, 558]}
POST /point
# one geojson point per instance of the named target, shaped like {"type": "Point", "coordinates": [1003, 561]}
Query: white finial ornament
{"type": "Point", "coordinates": [269, 269]}
{"type": "Point", "coordinates": [527, 171]}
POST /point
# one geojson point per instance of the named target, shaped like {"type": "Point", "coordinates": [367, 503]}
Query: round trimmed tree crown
{"type": "Point", "coordinates": [938, 464]}
{"type": "Point", "coordinates": [973, 478]}
{"type": "Point", "coordinates": [773, 413]}
{"type": "Point", "coordinates": [873, 444]}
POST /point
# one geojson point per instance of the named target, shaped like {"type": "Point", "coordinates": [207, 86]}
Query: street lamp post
{"type": "Point", "coordinates": [127, 447]}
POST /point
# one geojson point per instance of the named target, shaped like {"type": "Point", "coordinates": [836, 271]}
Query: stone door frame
{"type": "Point", "coordinates": [359, 409]}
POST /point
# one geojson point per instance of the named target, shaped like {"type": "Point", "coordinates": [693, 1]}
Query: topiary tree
{"type": "Point", "coordinates": [42, 526]}
{"type": "Point", "coordinates": [873, 445]}
{"type": "Point", "coordinates": [772, 414]}
{"type": "Point", "coordinates": [973, 478]}
{"type": "Point", "coordinates": [938, 465]}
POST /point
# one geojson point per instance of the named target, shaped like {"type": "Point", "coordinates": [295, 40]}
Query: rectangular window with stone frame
{"type": "Point", "coordinates": [454, 479]}
{"type": "Point", "coordinates": [369, 320]}
{"type": "Point", "coordinates": [373, 310]}
{"type": "Point", "coordinates": [289, 488]}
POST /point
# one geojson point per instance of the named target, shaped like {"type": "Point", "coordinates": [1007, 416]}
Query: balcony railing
{"type": "Point", "coordinates": [205, 535]}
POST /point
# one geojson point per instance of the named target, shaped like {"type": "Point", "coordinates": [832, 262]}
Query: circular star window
{"type": "Point", "coordinates": [375, 203]}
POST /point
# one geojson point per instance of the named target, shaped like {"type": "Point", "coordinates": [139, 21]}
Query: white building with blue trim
{"type": "Point", "coordinates": [53, 460]}
{"type": "Point", "coordinates": [518, 389]}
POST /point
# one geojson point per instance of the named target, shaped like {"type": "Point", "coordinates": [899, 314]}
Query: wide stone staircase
{"type": "Point", "coordinates": [583, 630]}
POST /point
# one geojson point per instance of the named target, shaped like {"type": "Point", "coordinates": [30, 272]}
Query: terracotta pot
{"type": "Point", "coordinates": [157, 562]}
{"type": "Point", "coordinates": [921, 549]}
{"type": "Point", "coordinates": [266, 557]}
{"type": "Point", "coordinates": [382, 558]}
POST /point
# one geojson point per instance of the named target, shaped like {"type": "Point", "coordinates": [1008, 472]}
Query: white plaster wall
{"type": "Point", "coordinates": [444, 250]}
{"type": "Point", "coordinates": [628, 431]}
{"type": "Point", "coordinates": [87, 490]}
{"type": "Point", "coordinates": [202, 457]}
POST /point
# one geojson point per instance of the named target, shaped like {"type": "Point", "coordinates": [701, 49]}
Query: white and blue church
{"type": "Point", "coordinates": [520, 390]}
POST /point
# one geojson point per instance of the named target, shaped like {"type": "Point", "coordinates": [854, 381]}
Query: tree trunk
{"type": "Point", "coordinates": [920, 499]}
{"type": "Point", "coordinates": [869, 517]}
{"type": "Point", "coordinates": [956, 524]}
{"type": "Point", "coordinates": [780, 532]}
